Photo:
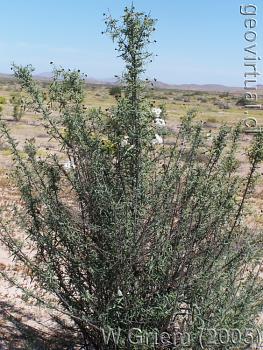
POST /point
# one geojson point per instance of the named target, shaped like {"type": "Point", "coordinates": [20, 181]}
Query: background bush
{"type": "Point", "coordinates": [115, 91]}
{"type": "Point", "coordinates": [19, 106]}
{"type": "Point", "coordinates": [2, 100]}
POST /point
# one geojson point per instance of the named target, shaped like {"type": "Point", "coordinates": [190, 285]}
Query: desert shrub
{"type": "Point", "coordinates": [243, 101]}
{"type": "Point", "coordinates": [19, 106]}
{"type": "Point", "coordinates": [115, 91]}
{"type": "Point", "coordinates": [224, 94]}
{"type": "Point", "coordinates": [202, 99]}
{"type": "Point", "coordinates": [178, 98]}
{"type": "Point", "coordinates": [163, 97]}
{"type": "Point", "coordinates": [2, 100]}
{"type": "Point", "coordinates": [193, 93]}
{"type": "Point", "coordinates": [135, 235]}
{"type": "Point", "coordinates": [211, 120]}
{"type": "Point", "coordinates": [168, 93]}
{"type": "Point", "coordinates": [222, 105]}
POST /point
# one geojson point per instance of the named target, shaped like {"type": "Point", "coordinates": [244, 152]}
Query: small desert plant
{"type": "Point", "coordinates": [115, 91]}
{"type": "Point", "coordinates": [212, 120]}
{"type": "Point", "coordinates": [19, 106]}
{"type": "Point", "coordinates": [243, 101]}
{"type": "Point", "coordinates": [2, 100]}
{"type": "Point", "coordinates": [163, 97]}
{"type": "Point", "coordinates": [224, 94]}
{"type": "Point", "coordinates": [222, 104]}
{"type": "Point", "coordinates": [178, 98]}
{"type": "Point", "coordinates": [202, 99]}
{"type": "Point", "coordinates": [135, 235]}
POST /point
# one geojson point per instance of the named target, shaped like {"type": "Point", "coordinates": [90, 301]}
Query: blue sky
{"type": "Point", "coordinates": [197, 41]}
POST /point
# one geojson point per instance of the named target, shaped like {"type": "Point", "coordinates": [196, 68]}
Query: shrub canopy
{"type": "Point", "coordinates": [135, 234]}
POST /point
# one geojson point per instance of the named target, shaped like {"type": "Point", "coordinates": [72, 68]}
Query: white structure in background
{"type": "Point", "coordinates": [158, 140]}
{"type": "Point", "coordinates": [69, 165]}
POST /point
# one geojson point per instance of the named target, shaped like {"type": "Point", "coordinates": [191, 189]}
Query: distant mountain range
{"type": "Point", "coordinates": [156, 84]}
